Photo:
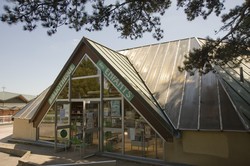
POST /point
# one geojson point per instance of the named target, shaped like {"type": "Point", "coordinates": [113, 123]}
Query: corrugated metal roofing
{"type": "Point", "coordinates": [124, 67]}
{"type": "Point", "coordinates": [215, 101]}
{"type": "Point", "coordinates": [31, 108]}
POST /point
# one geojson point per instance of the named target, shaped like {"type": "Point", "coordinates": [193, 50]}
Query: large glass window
{"type": "Point", "coordinates": [110, 90]}
{"type": "Point", "coordinates": [112, 126]}
{"type": "Point", "coordinates": [140, 138]}
{"type": "Point", "coordinates": [124, 130]}
{"type": "Point", "coordinates": [65, 92]}
{"type": "Point", "coordinates": [47, 126]}
{"type": "Point", "coordinates": [85, 68]}
{"type": "Point", "coordinates": [86, 88]}
{"type": "Point", "coordinates": [63, 113]}
{"type": "Point", "coordinates": [85, 81]}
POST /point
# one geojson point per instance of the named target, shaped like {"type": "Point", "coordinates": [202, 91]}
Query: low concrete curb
{"type": "Point", "coordinates": [10, 149]}
{"type": "Point", "coordinates": [26, 158]}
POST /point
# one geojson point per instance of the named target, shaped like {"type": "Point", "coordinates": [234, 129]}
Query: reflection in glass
{"type": "Point", "coordinates": [85, 68]}
{"type": "Point", "coordinates": [140, 138]}
{"type": "Point", "coordinates": [112, 126]}
{"type": "Point", "coordinates": [62, 113]}
{"type": "Point", "coordinates": [112, 114]}
{"type": "Point", "coordinates": [110, 90]}
{"type": "Point", "coordinates": [85, 88]}
{"type": "Point", "coordinates": [64, 93]}
{"type": "Point", "coordinates": [47, 126]}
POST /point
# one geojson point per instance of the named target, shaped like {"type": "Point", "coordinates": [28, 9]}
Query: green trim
{"type": "Point", "coordinates": [115, 81]}
{"type": "Point", "coordinates": [61, 84]}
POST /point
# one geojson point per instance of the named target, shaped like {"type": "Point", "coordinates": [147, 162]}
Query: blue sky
{"type": "Point", "coordinates": [31, 61]}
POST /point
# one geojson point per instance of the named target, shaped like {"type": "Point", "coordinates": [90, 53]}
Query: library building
{"type": "Point", "coordinates": [136, 105]}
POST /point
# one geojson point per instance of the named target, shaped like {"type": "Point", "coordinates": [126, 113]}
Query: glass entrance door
{"type": "Point", "coordinates": [91, 127]}
{"type": "Point", "coordinates": [62, 125]}
{"type": "Point", "coordinates": [85, 126]}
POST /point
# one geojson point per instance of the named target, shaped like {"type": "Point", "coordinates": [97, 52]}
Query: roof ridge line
{"type": "Point", "coordinates": [157, 104]}
{"type": "Point", "coordinates": [242, 119]}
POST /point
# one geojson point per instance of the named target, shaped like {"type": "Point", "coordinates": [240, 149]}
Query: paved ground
{"type": "Point", "coordinates": [46, 155]}
{"type": "Point", "coordinates": [5, 134]}
{"type": "Point", "coordinates": [7, 159]}
{"type": "Point", "coordinates": [5, 131]}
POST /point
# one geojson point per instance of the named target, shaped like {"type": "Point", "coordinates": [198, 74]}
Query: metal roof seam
{"type": "Point", "coordinates": [245, 65]}
{"type": "Point", "coordinates": [199, 106]}
{"type": "Point", "coordinates": [104, 46]}
{"type": "Point", "coordinates": [110, 59]}
{"type": "Point", "coordinates": [238, 93]}
{"type": "Point", "coordinates": [183, 91]}
{"type": "Point", "coordinates": [172, 71]}
{"type": "Point", "coordinates": [120, 68]}
{"type": "Point", "coordinates": [150, 68]}
{"type": "Point", "coordinates": [156, 102]}
{"type": "Point", "coordinates": [28, 108]}
{"type": "Point", "coordinates": [150, 101]}
{"type": "Point", "coordinates": [142, 81]}
{"type": "Point", "coordinates": [235, 108]}
{"type": "Point", "coordinates": [219, 103]}
{"type": "Point", "coordinates": [103, 50]}
{"type": "Point", "coordinates": [239, 73]}
{"type": "Point", "coordinates": [37, 100]}
{"type": "Point", "coordinates": [159, 43]}
{"type": "Point", "coordinates": [182, 98]}
{"type": "Point", "coordinates": [164, 58]}
{"type": "Point", "coordinates": [199, 42]}
{"type": "Point", "coordinates": [126, 63]}
{"type": "Point", "coordinates": [235, 80]}
{"type": "Point", "coordinates": [145, 57]}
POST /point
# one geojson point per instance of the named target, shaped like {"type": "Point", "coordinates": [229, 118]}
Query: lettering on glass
{"type": "Point", "coordinates": [61, 84]}
{"type": "Point", "coordinates": [115, 81]}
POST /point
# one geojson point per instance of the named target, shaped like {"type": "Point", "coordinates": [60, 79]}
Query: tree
{"type": "Point", "coordinates": [133, 18]}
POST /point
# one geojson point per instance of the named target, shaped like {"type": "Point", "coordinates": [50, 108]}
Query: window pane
{"type": "Point", "coordinates": [47, 126]}
{"type": "Point", "coordinates": [85, 68]}
{"type": "Point", "coordinates": [140, 138]}
{"type": "Point", "coordinates": [112, 114]}
{"type": "Point", "coordinates": [62, 113]}
{"type": "Point", "coordinates": [86, 88]}
{"type": "Point", "coordinates": [112, 126]}
{"type": "Point", "coordinates": [64, 93]}
{"type": "Point", "coordinates": [110, 90]}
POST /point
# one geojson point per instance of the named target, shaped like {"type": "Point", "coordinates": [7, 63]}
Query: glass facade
{"type": "Point", "coordinates": [140, 138]}
{"type": "Point", "coordinates": [47, 126]}
{"type": "Point", "coordinates": [93, 113]}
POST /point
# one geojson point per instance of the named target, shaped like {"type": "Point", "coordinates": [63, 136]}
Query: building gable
{"type": "Point", "coordinates": [121, 74]}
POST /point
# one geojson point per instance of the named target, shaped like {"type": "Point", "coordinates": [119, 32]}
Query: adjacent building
{"type": "Point", "coordinates": [135, 104]}
{"type": "Point", "coordinates": [10, 102]}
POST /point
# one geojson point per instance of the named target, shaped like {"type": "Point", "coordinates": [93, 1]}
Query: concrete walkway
{"type": "Point", "coordinates": [26, 154]}
{"type": "Point", "coordinates": [37, 155]}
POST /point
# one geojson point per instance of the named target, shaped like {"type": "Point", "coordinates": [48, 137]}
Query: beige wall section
{"type": "Point", "coordinates": [212, 143]}
{"type": "Point", "coordinates": [22, 129]}
{"type": "Point", "coordinates": [210, 148]}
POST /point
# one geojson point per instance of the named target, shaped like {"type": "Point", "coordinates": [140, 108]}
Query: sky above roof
{"type": "Point", "coordinates": [31, 61]}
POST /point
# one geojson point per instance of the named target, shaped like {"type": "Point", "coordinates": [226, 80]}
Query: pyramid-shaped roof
{"type": "Point", "coordinates": [215, 101]}
{"type": "Point", "coordinates": [169, 100]}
